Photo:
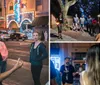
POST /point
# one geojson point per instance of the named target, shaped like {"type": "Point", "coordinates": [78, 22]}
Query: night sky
{"type": "Point", "coordinates": [81, 7]}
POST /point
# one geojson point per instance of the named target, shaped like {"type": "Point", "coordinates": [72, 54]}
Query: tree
{"type": "Point", "coordinates": [64, 9]}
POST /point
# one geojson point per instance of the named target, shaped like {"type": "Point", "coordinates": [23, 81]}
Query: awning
{"type": "Point", "coordinates": [40, 21]}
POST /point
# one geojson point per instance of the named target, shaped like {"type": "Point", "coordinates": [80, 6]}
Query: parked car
{"type": "Point", "coordinates": [18, 36]}
{"type": "Point", "coordinates": [4, 36]}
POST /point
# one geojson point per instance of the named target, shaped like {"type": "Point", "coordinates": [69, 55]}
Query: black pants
{"type": "Point", "coordinates": [36, 71]}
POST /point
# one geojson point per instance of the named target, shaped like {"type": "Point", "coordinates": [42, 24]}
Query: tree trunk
{"type": "Point", "coordinates": [64, 9]}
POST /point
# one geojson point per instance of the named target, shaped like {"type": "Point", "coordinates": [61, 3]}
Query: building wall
{"type": "Point", "coordinates": [67, 50]}
{"type": "Point", "coordinates": [78, 47]}
{"type": "Point", "coordinates": [30, 6]}
{"type": "Point", "coordinates": [43, 8]}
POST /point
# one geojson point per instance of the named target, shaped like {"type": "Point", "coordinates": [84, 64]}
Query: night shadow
{"type": "Point", "coordinates": [53, 35]}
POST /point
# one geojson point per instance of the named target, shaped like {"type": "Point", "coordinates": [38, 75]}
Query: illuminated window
{"type": "Point", "coordinates": [11, 6]}
{"type": "Point", "coordinates": [79, 55]}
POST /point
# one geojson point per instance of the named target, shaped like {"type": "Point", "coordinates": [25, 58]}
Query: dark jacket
{"type": "Point", "coordinates": [38, 54]}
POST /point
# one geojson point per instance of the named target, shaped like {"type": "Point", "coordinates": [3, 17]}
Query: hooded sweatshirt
{"type": "Point", "coordinates": [38, 54]}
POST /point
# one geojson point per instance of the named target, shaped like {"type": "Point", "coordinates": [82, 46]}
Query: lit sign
{"type": "Point", "coordinates": [17, 10]}
{"type": "Point", "coordinates": [56, 62]}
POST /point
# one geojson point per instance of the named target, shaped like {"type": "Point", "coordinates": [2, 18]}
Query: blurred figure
{"type": "Point", "coordinates": [89, 23]}
{"type": "Point", "coordinates": [91, 76]}
{"type": "Point", "coordinates": [38, 53]}
{"type": "Point", "coordinates": [59, 25]}
{"type": "Point", "coordinates": [3, 57]}
{"type": "Point", "coordinates": [80, 68]}
{"type": "Point", "coordinates": [76, 22]}
{"type": "Point", "coordinates": [58, 77]}
{"type": "Point", "coordinates": [98, 37]}
{"type": "Point", "coordinates": [53, 74]}
{"type": "Point", "coordinates": [82, 22]}
{"type": "Point", "coordinates": [67, 72]}
{"type": "Point", "coordinates": [94, 26]}
{"type": "Point", "coordinates": [45, 35]}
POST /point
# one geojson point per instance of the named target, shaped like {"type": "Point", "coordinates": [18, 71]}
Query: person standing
{"type": "Point", "coordinates": [59, 26]}
{"type": "Point", "coordinates": [76, 22]}
{"type": "Point", "coordinates": [94, 26]}
{"type": "Point", "coordinates": [45, 35]}
{"type": "Point", "coordinates": [91, 76]}
{"type": "Point", "coordinates": [67, 72]}
{"type": "Point", "coordinates": [97, 37]}
{"type": "Point", "coordinates": [53, 74]}
{"type": "Point", "coordinates": [3, 57]}
{"type": "Point", "coordinates": [89, 24]}
{"type": "Point", "coordinates": [38, 53]}
{"type": "Point", "coordinates": [82, 22]}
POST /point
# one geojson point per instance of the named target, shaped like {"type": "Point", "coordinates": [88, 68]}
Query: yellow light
{"type": "Point", "coordinates": [57, 23]}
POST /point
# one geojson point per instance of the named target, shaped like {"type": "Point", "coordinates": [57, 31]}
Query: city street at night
{"type": "Point", "coordinates": [20, 49]}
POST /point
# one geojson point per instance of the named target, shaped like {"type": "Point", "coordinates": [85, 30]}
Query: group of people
{"type": "Point", "coordinates": [89, 24]}
{"type": "Point", "coordinates": [38, 53]}
{"type": "Point", "coordinates": [89, 76]}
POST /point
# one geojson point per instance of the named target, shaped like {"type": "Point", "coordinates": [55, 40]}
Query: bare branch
{"type": "Point", "coordinates": [66, 1]}
{"type": "Point", "coordinates": [70, 3]}
{"type": "Point", "coordinates": [61, 4]}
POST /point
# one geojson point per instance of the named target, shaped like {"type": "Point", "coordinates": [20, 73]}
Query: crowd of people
{"type": "Point", "coordinates": [89, 24]}
{"type": "Point", "coordinates": [67, 72]}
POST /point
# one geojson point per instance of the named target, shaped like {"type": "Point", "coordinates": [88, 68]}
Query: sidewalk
{"type": "Point", "coordinates": [23, 75]}
{"type": "Point", "coordinates": [54, 36]}
{"type": "Point", "coordinates": [71, 36]}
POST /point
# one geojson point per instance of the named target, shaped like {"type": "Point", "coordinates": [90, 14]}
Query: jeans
{"type": "Point", "coordinates": [36, 71]}
{"type": "Point", "coordinates": [2, 68]}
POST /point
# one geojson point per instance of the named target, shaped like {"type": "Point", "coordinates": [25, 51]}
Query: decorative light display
{"type": "Point", "coordinates": [23, 16]}
{"type": "Point", "coordinates": [17, 10]}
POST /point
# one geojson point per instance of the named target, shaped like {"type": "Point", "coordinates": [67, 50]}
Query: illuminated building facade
{"type": "Point", "coordinates": [20, 13]}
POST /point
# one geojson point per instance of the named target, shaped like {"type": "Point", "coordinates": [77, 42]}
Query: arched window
{"type": "Point", "coordinates": [11, 6]}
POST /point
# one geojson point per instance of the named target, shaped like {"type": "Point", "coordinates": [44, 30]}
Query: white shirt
{"type": "Point", "coordinates": [82, 20]}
